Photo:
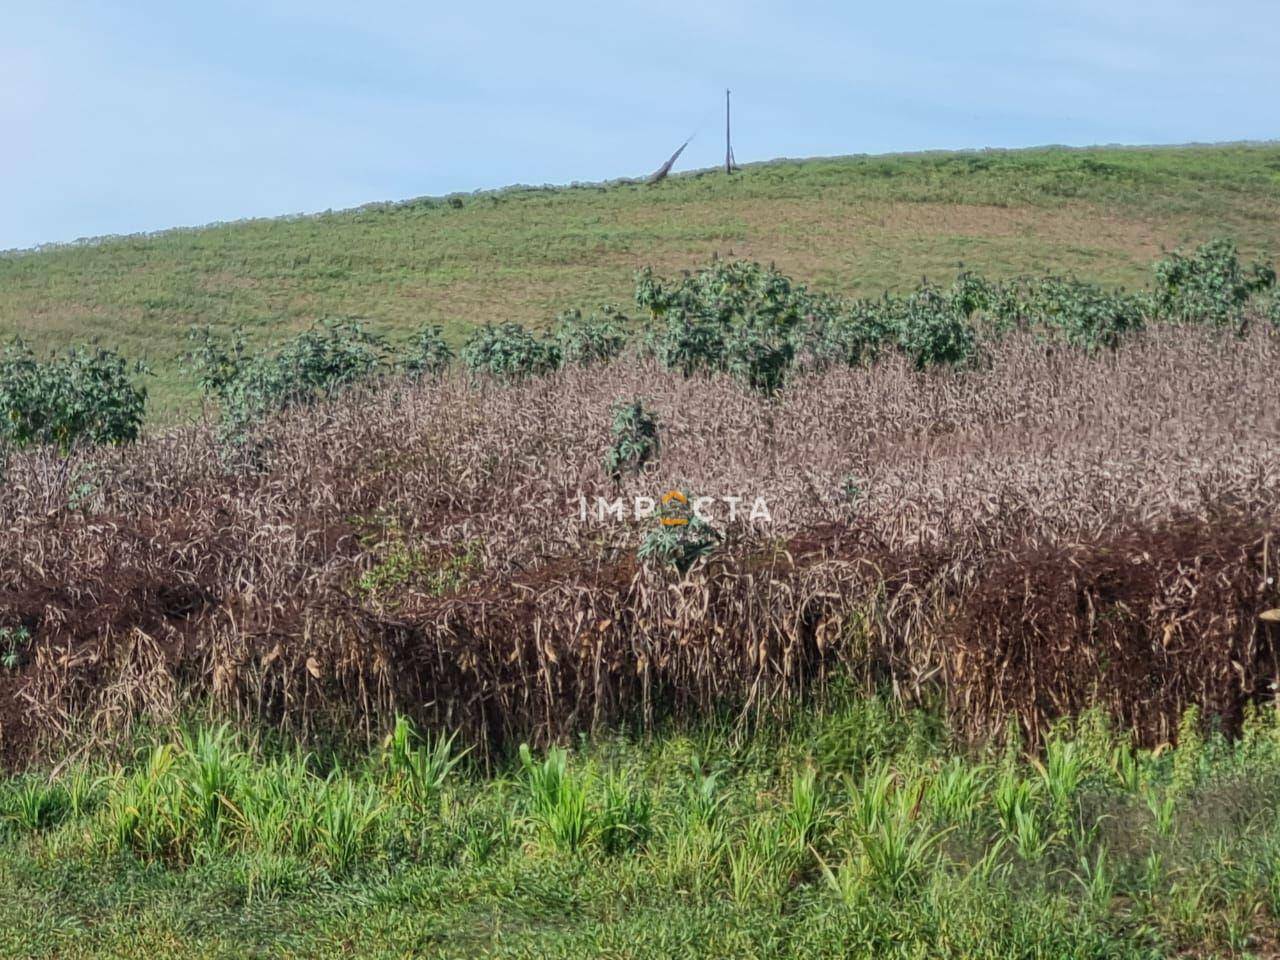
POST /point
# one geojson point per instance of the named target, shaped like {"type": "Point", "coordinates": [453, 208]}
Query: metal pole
{"type": "Point", "coordinates": [728, 144]}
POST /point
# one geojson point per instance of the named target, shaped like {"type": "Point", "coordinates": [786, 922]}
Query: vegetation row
{"type": "Point", "coordinates": [738, 318]}
{"type": "Point", "coordinates": [861, 830]}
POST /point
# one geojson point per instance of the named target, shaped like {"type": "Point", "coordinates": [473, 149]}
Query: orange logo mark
{"type": "Point", "coordinates": [670, 497]}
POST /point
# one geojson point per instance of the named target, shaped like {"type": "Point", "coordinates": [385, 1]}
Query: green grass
{"type": "Point", "coordinates": [856, 225]}
{"type": "Point", "coordinates": [856, 830]}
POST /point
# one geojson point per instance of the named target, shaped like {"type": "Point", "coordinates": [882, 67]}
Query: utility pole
{"type": "Point", "coordinates": [728, 143]}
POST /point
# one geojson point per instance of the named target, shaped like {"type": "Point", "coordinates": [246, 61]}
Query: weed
{"type": "Point", "coordinates": [1097, 879]}
{"type": "Point", "coordinates": [758, 863]}
{"type": "Point", "coordinates": [807, 813]}
{"type": "Point", "coordinates": [955, 791]}
{"type": "Point", "coordinates": [1190, 757]}
{"type": "Point", "coordinates": [896, 848]}
{"type": "Point", "coordinates": [1163, 806]}
{"type": "Point", "coordinates": [346, 821]}
{"type": "Point", "coordinates": [624, 822]}
{"type": "Point", "coordinates": [1031, 835]}
{"type": "Point", "coordinates": [210, 771]}
{"type": "Point", "coordinates": [405, 565]}
{"type": "Point", "coordinates": [558, 805]}
{"type": "Point", "coordinates": [676, 851]}
{"type": "Point", "coordinates": [13, 643]}
{"type": "Point", "coordinates": [705, 800]}
{"type": "Point", "coordinates": [37, 805]}
{"type": "Point", "coordinates": [1062, 771]}
{"type": "Point", "coordinates": [421, 764]}
{"type": "Point", "coordinates": [1125, 766]}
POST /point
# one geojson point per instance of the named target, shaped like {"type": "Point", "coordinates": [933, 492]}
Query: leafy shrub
{"type": "Point", "coordinates": [932, 330]}
{"type": "Point", "coordinates": [635, 440]}
{"type": "Point", "coordinates": [1267, 308]}
{"type": "Point", "coordinates": [736, 316]}
{"type": "Point", "coordinates": [854, 336]}
{"type": "Point", "coordinates": [1085, 314]}
{"type": "Point", "coordinates": [428, 354]}
{"type": "Point", "coordinates": [688, 344]}
{"type": "Point", "coordinates": [971, 293]}
{"type": "Point", "coordinates": [723, 292]}
{"type": "Point", "coordinates": [585, 341]}
{"type": "Point", "coordinates": [759, 355]}
{"type": "Point", "coordinates": [81, 396]}
{"type": "Point", "coordinates": [752, 322]}
{"type": "Point", "coordinates": [312, 366]}
{"type": "Point", "coordinates": [678, 545]}
{"type": "Point", "coordinates": [1209, 286]}
{"type": "Point", "coordinates": [510, 352]}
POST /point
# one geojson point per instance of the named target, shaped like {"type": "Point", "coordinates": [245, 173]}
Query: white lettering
{"type": "Point", "coordinates": [605, 508]}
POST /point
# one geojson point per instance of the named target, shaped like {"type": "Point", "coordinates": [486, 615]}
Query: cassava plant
{"type": "Point", "coordinates": [1210, 286]}
{"type": "Point", "coordinates": [735, 316]}
{"type": "Point", "coordinates": [428, 353]}
{"type": "Point", "coordinates": [635, 440]}
{"type": "Point", "coordinates": [594, 339]}
{"type": "Point", "coordinates": [933, 330]}
{"type": "Point", "coordinates": [1084, 314]}
{"type": "Point", "coordinates": [81, 396]}
{"type": "Point", "coordinates": [510, 352]}
{"type": "Point", "coordinates": [313, 366]}
{"type": "Point", "coordinates": [680, 538]}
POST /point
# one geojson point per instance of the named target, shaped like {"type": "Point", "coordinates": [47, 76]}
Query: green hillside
{"type": "Point", "coordinates": [854, 225]}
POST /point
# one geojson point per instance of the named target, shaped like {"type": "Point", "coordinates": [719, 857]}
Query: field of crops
{"type": "Point", "coordinates": [924, 623]}
{"type": "Point", "coordinates": [1030, 497]}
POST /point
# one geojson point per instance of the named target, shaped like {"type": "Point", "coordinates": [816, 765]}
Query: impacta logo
{"type": "Point", "coordinates": [675, 509]}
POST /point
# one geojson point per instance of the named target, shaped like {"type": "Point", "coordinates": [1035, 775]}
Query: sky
{"type": "Point", "coordinates": [137, 116]}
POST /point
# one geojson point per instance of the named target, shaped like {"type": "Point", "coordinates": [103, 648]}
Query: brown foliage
{"type": "Point", "coordinates": [1024, 536]}
{"type": "Point", "coordinates": [1144, 622]}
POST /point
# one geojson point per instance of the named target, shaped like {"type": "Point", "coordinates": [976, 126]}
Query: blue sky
{"type": "Point", "coordinates": [124, 117]}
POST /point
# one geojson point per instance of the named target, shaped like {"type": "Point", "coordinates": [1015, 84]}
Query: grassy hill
{"type": "Point", "coordinates": [854, 225]}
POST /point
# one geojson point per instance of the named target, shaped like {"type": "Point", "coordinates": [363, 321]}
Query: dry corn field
{"type": "Point", "coordinates": [1020, 540]}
